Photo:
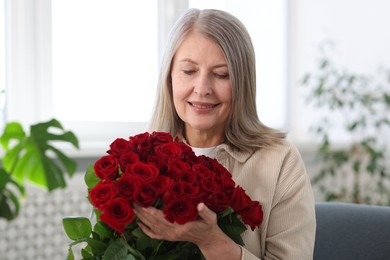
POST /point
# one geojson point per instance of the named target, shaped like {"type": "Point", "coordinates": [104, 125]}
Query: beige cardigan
{"type": "Point", "coordinates": [276, 177]}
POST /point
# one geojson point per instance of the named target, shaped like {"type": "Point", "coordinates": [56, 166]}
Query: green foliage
{"type": "Point", "coordinates": [77, 228]}
{"type": "Point", "coordinates": [32, 158]}
{"type": "Point", "coordinates": [357, 171]}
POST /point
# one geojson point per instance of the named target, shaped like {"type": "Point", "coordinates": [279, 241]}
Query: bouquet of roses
{"type": "Point", "coordinates": [156, 170]}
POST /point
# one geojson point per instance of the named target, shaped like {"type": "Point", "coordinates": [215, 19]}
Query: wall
{"type": "Point", "coordinates": [359, 30]}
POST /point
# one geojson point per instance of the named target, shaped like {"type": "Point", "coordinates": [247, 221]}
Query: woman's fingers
{"type": "Point", "coordinates": [153, 223]}
{"type": "Point", "coordinates": [149, 216]}
{"type": "Point", "coordinates": [149, 232]}
{"type": "Point", "coordinates": [208, 216]}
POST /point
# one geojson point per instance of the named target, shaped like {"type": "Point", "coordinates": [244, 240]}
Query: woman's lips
{"type": "Point", "coordinates": [203, 105]}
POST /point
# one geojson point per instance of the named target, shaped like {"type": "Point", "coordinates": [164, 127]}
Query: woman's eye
{"type": "Point", "coordinates": [222, 75]}
{"type": "Point", "coordinates": [188, 72]}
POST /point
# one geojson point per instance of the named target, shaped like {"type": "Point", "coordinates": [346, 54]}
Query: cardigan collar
{"type": "Point", "coordinates": [224, 150]}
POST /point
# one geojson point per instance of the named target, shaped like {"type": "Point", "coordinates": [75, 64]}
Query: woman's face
{"type": "Point", "coordinates": [201, 86]}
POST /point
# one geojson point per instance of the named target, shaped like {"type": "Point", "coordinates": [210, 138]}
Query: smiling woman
{"type": "Point", "coordinates": [202, 91]}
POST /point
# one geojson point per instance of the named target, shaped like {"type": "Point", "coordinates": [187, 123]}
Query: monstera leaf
{"type": "Point", "coordinates": [9, 196]}
{"type": "Point", "coordinates": [34, 157]}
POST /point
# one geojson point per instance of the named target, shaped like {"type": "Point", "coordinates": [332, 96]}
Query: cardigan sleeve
{"type": "Point", "coordinates": [246, 255]}
{"type": "Point", "coordinates": [276, 176]}
{"type": "Point", "coordinates": [291, 228]}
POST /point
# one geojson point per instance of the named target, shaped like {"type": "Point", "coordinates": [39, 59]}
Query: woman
{"type": "Point", "coordinates": [206, 96]}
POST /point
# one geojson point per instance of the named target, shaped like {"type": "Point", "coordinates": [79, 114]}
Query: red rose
{"type": "Point", "coordinates": [217, 201]}
{"type": "Point", "coordinates": [147, 171]}
{"type": "Point", "coordinates": [253, 215]}
{"type": "Point", "coordinates": [240, 200]}
{"type": "Point", "coordinates": [102, 194]}
{"type": "Point", "coordinates": [183, 190]}
{"type": "Point", "coordinates": [161, 184]}
{"type": "Point", "coordinates": [161, 137]}
{"type": "Point", "coordinates": [220, 170]}
{"type": "Point", "coordinates": [180, 211]}
{"type": "Point", "coordinates": [175, 191]}
{"type": "Point", "coordinates": [118, 214]}
{"type": "Point", "coordinates": [190, 190]}
{"type": "Point", "coordinates": [228, 186]}
{"type": "Point", "coordinates": [187, 176]}
{"type": "Point", "coordinates": [188, 154]}
{"type": "Point", "coordinates": [209, 185]}
{"type": "Point", "coordinates": [119, 147]}
{"type": "Point", "coordinates": [250, 211]}
{"type": "Point", "coordinates": [206, 161]}
{"type": "Point", "coordinates": [201, 170]}
{"type": "Point", "coordinates": [156, 160]}
{"type": "Point", "coordinates": [106, 167]}
{"type": "Point", "coordinates": [144, 149]}
{"type": "Point", "coordinates": [176, 167]}
{"type": "Point", "coordinates": [168, 150]}
{"type": "Point", "coordinates": [139, 138]}
{"type": "Point", "coordinates": [146, 194]}
{"type": "Point", "coordinates": [128, 185]}
{"type": "Point", "coordinates": [128, 158]}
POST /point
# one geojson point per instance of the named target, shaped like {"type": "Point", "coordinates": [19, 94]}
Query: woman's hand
{"type": "Point", "coordinates": [204, 232]}
{"type": "Point", "coordinates": [153, 223]}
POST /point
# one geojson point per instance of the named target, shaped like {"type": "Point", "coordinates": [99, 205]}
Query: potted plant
{"type": "Point", "coordinates": [32, 158]}
{"type": "Point", "coordinates": [356, 170]}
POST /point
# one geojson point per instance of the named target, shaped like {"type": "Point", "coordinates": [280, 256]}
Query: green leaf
{"type": "Point", "coordinates": [227, 211]}
{"type": "Point", "coordinates": [11, 157]}
{"type": "Point", "coordinates": [77, 228]}
{"type": "Point", "coordinates": [41, 133]}
{"type": "Point", "coordinates": [30, 157]}
{"type": "Point", "coordinates": [9, 196]}
{"type": "Point", "coordinates": [86, 253]}
{"type": "Point", "coordinates": [12, 131]}
{"type": "Point", "coordinates": [116, 251]}
{"type": "Point", "coordinates": [90, 177]}
{"type": "Point", "coordinates": [70, 254]}
{"type": "Point", "coordinates": [98, 247]}
{"type": "Point", "coordinates": [102, 230]}
{"type": "Point", "coordinates": [9, 205]}
{"type": "Point", "coordinates": [232, 226]}
{"type": "Point", "coordinates": [4, 179]}
{"type": "Point", "coordinates": [69, 164]}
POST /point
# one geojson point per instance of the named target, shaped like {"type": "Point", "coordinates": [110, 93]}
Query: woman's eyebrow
{"type": "Point", "coordinates": [187, 60]}
{"type": "Point", "coordinates": [193, 62]}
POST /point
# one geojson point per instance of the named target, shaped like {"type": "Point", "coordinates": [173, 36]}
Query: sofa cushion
{"type": "Point", "coordinates": [352, 231]}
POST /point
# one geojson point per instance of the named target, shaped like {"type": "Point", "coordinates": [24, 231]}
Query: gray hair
{"type": "Point", "coordinates": [244, 130]}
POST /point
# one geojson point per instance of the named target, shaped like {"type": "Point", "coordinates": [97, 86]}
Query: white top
{"type": "Point", "coordinates": [208, 151]}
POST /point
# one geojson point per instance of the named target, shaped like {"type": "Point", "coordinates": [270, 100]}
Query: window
{"type": "Point", "coordinates": [93, 64]}
{"type": "Point", "coordinates": [2, 63]}
{"type": "Point", "coordinates": [104, 59]}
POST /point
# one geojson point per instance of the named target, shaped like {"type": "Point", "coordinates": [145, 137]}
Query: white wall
{"type": "Point", "coordinates": [360, 31]}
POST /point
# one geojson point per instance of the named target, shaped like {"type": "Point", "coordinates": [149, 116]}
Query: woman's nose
{"type": "Point", "coordinates": [203, 85]}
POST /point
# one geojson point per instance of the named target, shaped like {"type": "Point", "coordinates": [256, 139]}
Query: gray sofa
{"type": "Point", "coordinates": [352, 231]}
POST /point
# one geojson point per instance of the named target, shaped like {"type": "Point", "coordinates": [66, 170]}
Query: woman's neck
{"type": "Point", "coordinates": [203, 139]}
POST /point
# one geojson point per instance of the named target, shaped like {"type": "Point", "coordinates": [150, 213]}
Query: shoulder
{"type": "Point", "coordinates": [280, 152]}
{"type": "Point", "coordinates": [284, 151]}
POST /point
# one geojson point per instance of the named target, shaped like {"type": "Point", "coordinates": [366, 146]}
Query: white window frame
{"type": "Point", "coordinates": [29, 78]}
